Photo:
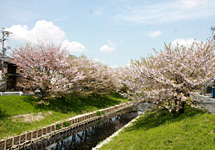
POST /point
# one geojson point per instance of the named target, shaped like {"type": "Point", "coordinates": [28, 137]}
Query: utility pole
{"type": "Point", "coordinates": [4, 34]}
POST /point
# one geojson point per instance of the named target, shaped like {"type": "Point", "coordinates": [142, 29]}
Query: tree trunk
{"type": "Point", "coordinates": [181, 110]}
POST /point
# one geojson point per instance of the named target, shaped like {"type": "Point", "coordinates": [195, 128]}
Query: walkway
{"type": "Point", "coordinates": [206, 102]}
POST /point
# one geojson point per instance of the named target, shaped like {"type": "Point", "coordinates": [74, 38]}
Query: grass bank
{"type": "Point", "coordinates": [155, 131]}
{"type": "Point", "coordinates": [60, 108]}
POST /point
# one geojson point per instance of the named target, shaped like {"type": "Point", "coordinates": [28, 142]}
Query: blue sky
{"type": "Point", "coordinates": [110, 31]}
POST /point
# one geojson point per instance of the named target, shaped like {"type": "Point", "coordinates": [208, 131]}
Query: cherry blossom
{"type": "Point", "coordinates": [46, 67]}
{"type": "Point", "coordinates": [167, 78]}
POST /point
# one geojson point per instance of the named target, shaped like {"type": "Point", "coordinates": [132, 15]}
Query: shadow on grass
{"type": "Point", "coordinates": [161, 117]}
{"type": "Point", "coordinates": [3, 114]}
{"type": "Point", "coordinates": [76, 104]}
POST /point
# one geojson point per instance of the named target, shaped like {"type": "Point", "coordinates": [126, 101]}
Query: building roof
{"type": "Point", "coordinates": [7, 59]}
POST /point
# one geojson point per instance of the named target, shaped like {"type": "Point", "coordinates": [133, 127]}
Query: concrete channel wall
{"type": "Point", "coordinates": [27, 138]}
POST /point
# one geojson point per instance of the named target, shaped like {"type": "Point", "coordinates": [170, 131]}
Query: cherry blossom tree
{"type": "Point", "coordinates": [167, 78]}
{"type": "Point", "coordinates": [99, 78]}
{"type": "Point", "coordinates": [46, 67]}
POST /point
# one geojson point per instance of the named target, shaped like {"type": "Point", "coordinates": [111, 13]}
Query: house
{"type": "Point", "coordinates": [12, 74]}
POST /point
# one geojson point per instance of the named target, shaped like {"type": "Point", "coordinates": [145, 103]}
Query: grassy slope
{"type": "Point", "coordinates": [193, 130]}
{"type": "Point", "coordinates": [61, 109]}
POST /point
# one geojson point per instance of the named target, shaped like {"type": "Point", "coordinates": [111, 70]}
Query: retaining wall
{"type": "Point", "coordinates": [26, 139]}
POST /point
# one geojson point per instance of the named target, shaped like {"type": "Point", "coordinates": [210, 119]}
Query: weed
{"type": "Point", "coordinates": [58, 126]}
{"type": "Point", "coordinates": [98, 113]}
{"type": "Point", "coordinates": [66, 124]}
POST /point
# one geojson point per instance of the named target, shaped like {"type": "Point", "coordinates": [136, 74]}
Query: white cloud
{"type": "Point", "coordinates": [73, 46]}
{"type": "Point", "coordinates": [44, 31]}
{"type": "Point", "coordinates": [168, 11]}
{"type": "Point", "coordinates": [154, 34]}
{"type": "Point", "coordinates": [108, 48]}
{"type": "Point", "coordinates": [188, 4]}
{"type": "Point", "coordinates": [184, 42]}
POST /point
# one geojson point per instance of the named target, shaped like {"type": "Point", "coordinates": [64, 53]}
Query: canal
{"type": "Point", "coordinates": [89, 135]}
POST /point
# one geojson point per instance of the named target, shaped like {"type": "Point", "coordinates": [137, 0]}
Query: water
{"type": "Point", "coordinates": [88, 136]}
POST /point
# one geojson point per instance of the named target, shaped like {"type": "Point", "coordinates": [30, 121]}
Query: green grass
{"type": "Point", "coordinates": [194, 130]}
{"type": "Point", "coordinates": [61, 108]}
